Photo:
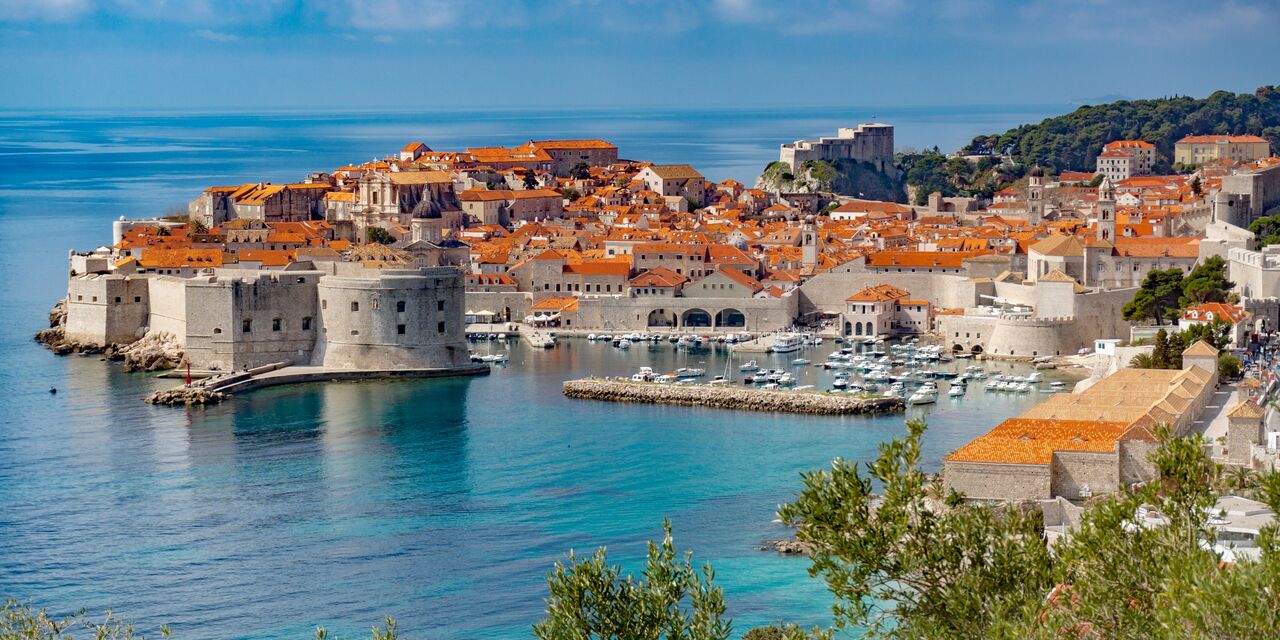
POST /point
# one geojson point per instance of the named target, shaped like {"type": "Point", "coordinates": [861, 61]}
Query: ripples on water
{"type": "Point", "coordinates": [442, 503]}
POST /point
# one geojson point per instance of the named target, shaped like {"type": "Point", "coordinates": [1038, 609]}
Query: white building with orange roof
{"type": "Point", "coordinates": [886, 310]}
{"type": "Point", "coordinates": [1217, 312]}
{"type": "Point", "coordinates": [1196, 150]}
{"type": "Point", "coordinates": [1122, 159]}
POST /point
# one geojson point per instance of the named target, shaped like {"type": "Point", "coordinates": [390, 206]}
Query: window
{"type": "Point", "coordinates": [355, 332]}
{"type": "Point", "coordinates": [95, 298]}
{"type": "Point", "coordinates": [117, 299]}
{"type": "Point", "coordinates": [137, 298]}
{"type": "Point", "coordinates": [440, 327]}
{"type": "Point", "coordinates": [400, 329]}
{"type": "Point", "coordinates": [400, 306]}
{"type": "Point", "coordinates": [306, 323]}
{"type": "Point", "coordinates": [276, 324]}
{"type": "Point", "coordinates": [324, 304]}
{"type": "Point", "coordinates": [439, 305]}
{"type": "Point", "coordinates": [355, 306]}
{"type": "Point", "coordinates": [246, 326]}
{"type": "Point", "coordinates": [217, 330]}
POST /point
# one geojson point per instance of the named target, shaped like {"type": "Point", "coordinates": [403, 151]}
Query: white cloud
{"type": "Point", "coordinates": [216, 36]}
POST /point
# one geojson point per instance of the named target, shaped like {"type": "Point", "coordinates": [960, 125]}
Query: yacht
{"type": "Point", "coordinates": [800, 361]}
{"type": "Point", "coordinates": [749, 366]}
{"type": "Point", "coordinates": [956, 391]}
{"type": "Point", "coordinates": [923, 395]}
{"type": "Point", "coordinates": [689, 372]}
{"type": "Point", "coordinates": [840, 383]}
{"type": "Point", "coordinates": [787, 342]}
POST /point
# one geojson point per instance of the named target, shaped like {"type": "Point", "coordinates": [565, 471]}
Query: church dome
{"type": "Point", "coordinates": [1037, 172]}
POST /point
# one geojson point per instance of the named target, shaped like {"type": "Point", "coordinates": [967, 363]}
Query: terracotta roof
{"type": "Point", "coordinates": [572, 144]}
{"type": "Point", "coordinates": [1216, 138]}
{"type": "Point", "coordinates": [741, 278]}
{"type": "Point", "coordinates": [418, 177]}
{"type": "Point", "coordinates": [868, 206]}
{"type": "Point", "coordinates": [659, 277]}
{"type": "Point", "coordinates": [675, 171]}
{"type": "Point", "coordinates": [878, 293]}
{"type": "Point", "coordinates": [1200, 348]}
{"type": "Point", "coordinates": [555, 304]}
{"type": "Point", "coordinates": [1057, 276]}
{"type": "Point", "coordinates": [1211, 311]}
{"type": "Point", "coordinates": [1059, 246]}
{"type": "Point", "coordinates": [1034, 441]}
{"type": "Point", "coordinates": [489, 195]}
{"type": "Point", "coordinates": [1246, 409]}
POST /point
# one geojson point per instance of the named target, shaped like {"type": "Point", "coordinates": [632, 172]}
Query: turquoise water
{"type": "Point", "coordinates": [441, 503]}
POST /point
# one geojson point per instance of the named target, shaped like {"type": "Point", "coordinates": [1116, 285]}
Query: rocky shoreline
{"type": "Point", "coordinates": [155, 352]}
{"type": "Point", "coordinates": [787, 547]}
{"type": "Point", "coordinates": [618, 390]}
{"type": "Point", "coordinates": [190, 396]}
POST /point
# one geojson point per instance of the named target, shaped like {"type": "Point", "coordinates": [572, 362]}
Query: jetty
{"type": "Point", "coordinates": [725, 397]}
{"type": "Point", "coordinates": [217, 388]}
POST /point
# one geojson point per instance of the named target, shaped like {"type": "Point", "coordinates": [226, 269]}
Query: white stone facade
{"type": "Point", "coordinates": [871, 143]}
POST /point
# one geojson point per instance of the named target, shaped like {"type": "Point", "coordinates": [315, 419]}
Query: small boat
{"type": "Point", "coordinates": [1058, 385]}
{"type": "Point", "coordinates": [771, 385]}
{"type": "Point", "coordinates": [923, 396]}
{"type": "Point", "coordinates": [786, 378]}
{"type": "Point", "coordinates": [1035, 377]}
{"type": "Point", "coordinates": [666, 378]}
{"type": "Point", "coordinates": [840, 383]}
{"type": "Point", "coordinates": [800, 361]}
{"type": "Point", "coordinates": [749, 366]}
{"type": "Point", "coordinates": [639, 377]}
{"type": "Point", "coordinates": [805, 387]}
{"type": "Point", "coordinates": [624, 344]}
{"type": "Point", "coordinates": [719, 380]}
{"type": "Point", "coordinates": [689, 372]}
{"type": "Point", "coordinates": [956, 391]}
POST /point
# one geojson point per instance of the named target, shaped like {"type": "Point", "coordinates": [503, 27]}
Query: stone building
{"type": "Point", "coordinates": [1077, 445]}
{"type": "Point", "coordinates": [871, 143]}
{"type": "Point", "coordinates": [1197, 150]}
{"type": "Point", "coordinates": [505, 207]}
{"type": "Point", "coordinates": [1123, 159]}
{"type": "Point", "coordinates": [566, 154]}
{"type": "Point", "coordinates": [886, 310]}
{"type": "Point", "coordinates": [1252, 192]}
{"type": "Point", "coordinates": [674, 180]}
{"type": "Point", "coordinates": [338, 314]}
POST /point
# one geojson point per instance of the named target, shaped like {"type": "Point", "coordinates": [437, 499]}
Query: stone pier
{"type": "Point", "coordinates": [726, 397]}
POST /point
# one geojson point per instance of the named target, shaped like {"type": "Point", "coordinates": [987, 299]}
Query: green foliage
{"type": "Point", "coordinates": [900, 567]}
{"type": "Point", "coordinates": [694, 205]}
{"type": "Point", "coordinates": [580, 171]}
{"type": "Point", "coordinates": [1143, 361]}
{"type": "Point", "coordinates": [1162, 357]}
{"type": "Point", "coordinates": [1207, 282]}
{"type": "Point", "coordinates": [589, 599]}
{"type": "Point", "coordinates": [390, 632]}
{"type": "Point", "coordinates": [1229, 366]}
{"type": "Point", "coordinates": [1096, 181]}
{"type": "Point", "coordinates": [844, 177]}
{"type": "Point", "coordinates": [571, 194]}
{"type": "Point", "coordinates": [927, 173]}
{"type": "Point", "coordinates": [787, 632]}
{"type": "Point", "coordinates": [1074, 140]}
{"type": "Point", "coordinates": [20, 622]}
{"type": "Point", "coordinates": [1216, 333]}
{"type": "Point", "coordinates": [378, 235]}
{"type": "Point", "coordinates": [1266, 230]}
{"type": "Point", "coordinates": [906, 570]}
{"type": "Point", "coordinates": [1157, 298]}
{"type": "Point", "coordinates": [1196, 186]}
{"type": "Point", "coordinates": [530, 180]}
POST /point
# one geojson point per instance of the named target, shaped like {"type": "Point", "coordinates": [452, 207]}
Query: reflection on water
{"type": "Point", "coordinates": [442, 502]}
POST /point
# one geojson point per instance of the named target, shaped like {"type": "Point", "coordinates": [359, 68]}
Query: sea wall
{"type": "Point", "coordinates": [616, 390]}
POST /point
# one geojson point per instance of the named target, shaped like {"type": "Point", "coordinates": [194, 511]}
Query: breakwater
{"type": "Point", "coordinates": [725, 397]}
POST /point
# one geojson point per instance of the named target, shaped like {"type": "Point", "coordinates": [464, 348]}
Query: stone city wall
{"type": "Point", "coordinates": [1078, 474]}
{"type": "Point", "coordinates": [992, 481]}
{"type": "Point", "coordinates": [106, 309]}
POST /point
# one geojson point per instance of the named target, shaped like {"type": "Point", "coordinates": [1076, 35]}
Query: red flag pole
{"type": "Point", "coordinates": [188, 372]}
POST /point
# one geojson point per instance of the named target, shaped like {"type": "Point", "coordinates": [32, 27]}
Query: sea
{"type": "Point", "coordinates": [441, 503]}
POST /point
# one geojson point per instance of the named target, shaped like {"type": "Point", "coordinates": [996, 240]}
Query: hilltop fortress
{"type": "Point", "coordinates": [871, 143]}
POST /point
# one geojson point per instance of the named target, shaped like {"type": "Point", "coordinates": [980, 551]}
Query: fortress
{"type": "Point", "coordinates": [337, 315]}
{"type": "Point", "coordinates": [871, 143]}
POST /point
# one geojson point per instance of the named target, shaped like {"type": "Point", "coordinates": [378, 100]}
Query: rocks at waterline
{"type": "Point", "coordinates": [191, 396]}
{"type": "Point", "coordinates": [157, 351]}
{"type": "Point", "coordinates": [787, 547]}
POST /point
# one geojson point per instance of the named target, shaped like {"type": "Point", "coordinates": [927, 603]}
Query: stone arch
{"type": "Point", "coordinates": [857, 329]}
{"type": "Point", "coordinates": [848, 328]}
{"type": "Point", "coordinates": [695, 318]}
{"type": "Point", "coordinates": [977, 348]}
{"type": "Point", "coordinates": [731, 319]}
{"type": "Point", "coordinates": [955, 348]}
{"type": "Point", "coordinates": [661, 318]}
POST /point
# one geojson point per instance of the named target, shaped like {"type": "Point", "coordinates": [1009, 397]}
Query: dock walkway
{"type": "Point", "coordinates": [218, 388]}
{"type": "Point", "coordinates": [727, 397]}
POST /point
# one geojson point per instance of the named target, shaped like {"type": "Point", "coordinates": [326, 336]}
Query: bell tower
{"type": "Point", "coordinates": [1106, 210]}
{"type": "Point", "coordinates": [1035, 196]}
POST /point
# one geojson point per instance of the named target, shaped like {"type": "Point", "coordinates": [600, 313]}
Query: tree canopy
{"type": "Point", "coordinates": [1073, 141]}
{"type": "Point", "coordinates": [1266, 230]}
{"type": "Point", "coordinates": [1157, 299]}
{"type": "Point", "coordinates": [1207, 282]}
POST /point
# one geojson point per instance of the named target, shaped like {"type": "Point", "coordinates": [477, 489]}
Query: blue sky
{"type": "Point", "coordinates": [422, 54]}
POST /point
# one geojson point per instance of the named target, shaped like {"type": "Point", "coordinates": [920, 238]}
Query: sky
{"type": "Point", "coordinates": [510, 54]}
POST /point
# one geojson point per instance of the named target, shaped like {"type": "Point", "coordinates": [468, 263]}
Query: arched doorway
{"type": "Point", "coordinates": [857, 329]}
{"type": "Point", "coordinates": [730, 318]}
{"type": "Point", "coordinates": [977, 348]}
{"type": "Point", "coordinates": [662, 318]}
{"type": "Point", "coordinates": [695, 318]}
{"type": "Point", "coordinates": [848, 328]}
{"type": "Point", "coordinates": [955, 348]}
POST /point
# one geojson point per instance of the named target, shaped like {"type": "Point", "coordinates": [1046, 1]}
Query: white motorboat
{"type": "Point", "coordinates": [749, 366]}
{"type": "Point", "coordinates": [719, 380]}
{"type": "Point", "coordinates": [923, 396]}
{"type": "Point", "coordinates": [956, 391]}
{"type": "Point", "coordinates": [689, 372]}
{"type": "Point", "coordinates": [666, 378]}
{"type": "Point", "coordinates": [624, 344]}
{"type": "Point", "coordinates": [800, 361]}
{"type": "Point", "coordinates": [786, 343]}
{"type": "Point", "coordinates": [770, 385]}
{"type": "Point", "coordinates": [786, 378]}
{"type": "Point", "coordinates": [1035, 377]}
{"type": "Point", "coordinates": [840, 383]}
